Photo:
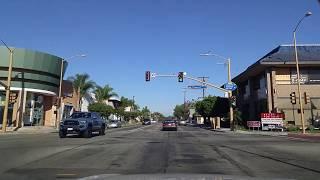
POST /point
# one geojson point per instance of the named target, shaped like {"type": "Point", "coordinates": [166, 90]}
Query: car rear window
{"type": "Point", "coordinates": [169, 121]}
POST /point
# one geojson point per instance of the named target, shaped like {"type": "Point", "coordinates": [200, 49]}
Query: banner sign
{"type": "Point", "coordinates": [253, 124]}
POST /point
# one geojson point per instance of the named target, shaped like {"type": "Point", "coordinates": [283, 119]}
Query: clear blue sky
{"type": "Point", "coordinates": [123, 39]}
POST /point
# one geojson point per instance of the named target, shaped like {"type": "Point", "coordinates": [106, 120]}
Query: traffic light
{"type": "Point", "coordinates": [293, 98]}
{"type": "Point", "coordinates": [306, 98]}
{"type": "Point", "coordinates": [180, 77]}
{"type": "Point", "coordinates": [148, 75]}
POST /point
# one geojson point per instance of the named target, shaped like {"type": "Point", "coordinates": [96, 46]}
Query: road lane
{"type": "Point", "coordinates": [148, 150]}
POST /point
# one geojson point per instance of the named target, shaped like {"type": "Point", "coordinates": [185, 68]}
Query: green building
{"type": "Point", "coordinates": [34, 86]}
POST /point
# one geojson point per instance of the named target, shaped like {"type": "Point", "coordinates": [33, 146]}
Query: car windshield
{"type": "Point", "coordinates": [80, 115]}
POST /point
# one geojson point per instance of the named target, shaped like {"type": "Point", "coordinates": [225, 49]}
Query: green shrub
{"type": "Point", "coordinates": [292, 128]}
{"type": "Point", "coordinates": [311, 128]}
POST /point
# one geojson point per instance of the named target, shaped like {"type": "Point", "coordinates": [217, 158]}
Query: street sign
{"type": "Point", "coordinates": [197, 87]}
{"type": "Point", "coordinates": [253, 124]}
{"type": "Point", "coordinates": [230, 86]}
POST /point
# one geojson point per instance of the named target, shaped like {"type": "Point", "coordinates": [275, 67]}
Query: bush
{"type": "Point", "coordinates": [292, 128]}
{"type": "Point", "coordinates": [311, 128]}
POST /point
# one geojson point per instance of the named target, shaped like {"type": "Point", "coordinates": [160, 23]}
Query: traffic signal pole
{"type": "Point", "coordinates": [6, 105]}
{"type": "Point", "coordinates": [230, 95]}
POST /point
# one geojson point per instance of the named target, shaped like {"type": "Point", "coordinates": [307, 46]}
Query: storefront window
{"type": "Point", "coordinates": [34, 111]}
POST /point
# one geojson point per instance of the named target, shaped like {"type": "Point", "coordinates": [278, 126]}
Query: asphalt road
{"type": "Point", "coordinates": [148, 150]}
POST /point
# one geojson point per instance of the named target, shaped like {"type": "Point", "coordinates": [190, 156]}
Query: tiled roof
{"type": "Point", "coordinates": [285, 53]}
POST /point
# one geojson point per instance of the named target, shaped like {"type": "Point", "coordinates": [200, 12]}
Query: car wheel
{"type": "Point", "coordinates": [87, 133]}
{"type": "Point", "coordinates": [102, 131]}
{"type": "Point", "coordinates": [62, 134]}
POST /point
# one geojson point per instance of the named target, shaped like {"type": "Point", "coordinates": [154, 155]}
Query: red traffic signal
{"type": "Point", "coordinates": [148, 75]}
{"type": "Point", "coordinates": [180, 77]}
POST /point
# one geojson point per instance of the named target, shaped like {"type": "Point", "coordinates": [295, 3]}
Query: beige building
{"type": "Point", "coordinates": [266, 85]}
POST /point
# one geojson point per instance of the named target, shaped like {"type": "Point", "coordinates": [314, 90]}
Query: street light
{"type": "Point", "coordinates": [298, 71]}
{"type": "Point", "coordinates": [7, 87]}
{"type": "Point", "coordinates": [60, 86]}
{"type": "Point", "coordinates": [228, 61]}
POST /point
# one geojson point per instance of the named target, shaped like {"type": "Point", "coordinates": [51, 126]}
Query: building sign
{"type": "Point", "coordinates": [253, 124]}
{"type": "Point", "coordinates": [310, 76]}
{"type": "Point", "coordinates": [272, 120]}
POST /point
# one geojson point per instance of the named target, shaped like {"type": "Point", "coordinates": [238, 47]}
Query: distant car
{"type": "Point", "coordinates": [153, 121]}
{"type": "Point", "coordinates": [146, 122]}
{"type": "Point", "coordinates": [169, 125]}
{"type": "Point", "coordinates": [114, 124]}
{"type": "Point", "coordinates": [182, 122]}
{"type": "Point", "coordinates": [83, 124]}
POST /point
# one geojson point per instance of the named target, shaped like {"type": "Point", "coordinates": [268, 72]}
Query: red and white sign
{"type": "Point", "coordinates": [253, 124]}
{"type": "Point", "coordinates": [272, 115]}
{"type": "Point", "coordinates": [272, 118]}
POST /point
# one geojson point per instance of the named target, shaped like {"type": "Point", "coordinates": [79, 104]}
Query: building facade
{"type": "Point", "coordinates": [69, 99]}
{"type": "Point", "coordinates": [35, 84]}
{"type": "Point", "coordinates": [266, 85]}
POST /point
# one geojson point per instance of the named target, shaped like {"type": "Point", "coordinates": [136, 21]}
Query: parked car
{"type": "Point", "coordinates": [182, 122]}
{"type": "Point", "coordinates": [83, 124]}
{"type": "Point", "coordinates": [169, 125]}
{"type": "Point", "coordinates": [316, 123]}
{"type": "Point", "coordinates": [114, 124]}
{"type": "Point", "coordinates": [146, 122]}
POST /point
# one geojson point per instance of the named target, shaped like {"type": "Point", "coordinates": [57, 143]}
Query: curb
{"type": "Point", "coordinates": [263, 133]}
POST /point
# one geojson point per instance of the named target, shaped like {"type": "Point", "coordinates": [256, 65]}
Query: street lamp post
{"type": "Point", "coordinates": [228, 61]}
{"type": "Point", "coordinates": [298, 70]}
{"type": "Point", "coordinates": [60, 87]}
{"type": "Point", "coordinates": [8, 85]}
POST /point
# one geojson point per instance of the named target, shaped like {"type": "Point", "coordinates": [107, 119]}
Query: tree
{"type": "Point", "coordinates": [145, 112]}
{"type": "Point", "coordinates": [102, 108]}
{"type": "Point", "coordinates": [157, 116]}
{"type": "Point", "coordinates": [104, 93]}
{"type": "Point", "coordinates": [179, 111]}
{"type": "Point", "coordinates": [81, 84]}
{"type": "Point", "coordinates": [206, 108]}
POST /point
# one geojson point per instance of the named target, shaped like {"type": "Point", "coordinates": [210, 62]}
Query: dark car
{"type": "Point", "coordinates": [146, 122]}
{"type": "Point", "coordinates": [83, 124]}
{"type": "Point", "coordinates": [169, 125]}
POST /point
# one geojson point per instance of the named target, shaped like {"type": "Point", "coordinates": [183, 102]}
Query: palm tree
{"type": "Point", "coordinates": [104, 93]}
{"type": "Point", "coordinates": [81, 84]}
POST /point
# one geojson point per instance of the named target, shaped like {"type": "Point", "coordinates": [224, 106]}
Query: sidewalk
{"type": "Point", "coordinates": [265, 133]}
{"type": "Point", "coordinates": [31, 130]}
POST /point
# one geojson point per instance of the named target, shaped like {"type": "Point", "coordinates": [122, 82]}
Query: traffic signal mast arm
{"type": "Point", "coordinates": [153, 75]}
{"type": "Point", "coordinates": [206, 83]}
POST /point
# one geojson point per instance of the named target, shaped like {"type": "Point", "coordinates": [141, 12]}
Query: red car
{"type": "Point", "coordinates": [169, 125]}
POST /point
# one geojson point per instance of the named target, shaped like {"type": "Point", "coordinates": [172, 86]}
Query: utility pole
{"type": "Point", "coordinates": [6, 105]}
{"type": "Point", "coordinates": [203, 89]}
{"type": "Point", "coordinates": [184, 104]}
{"type": "Point", "coordinates": [132, 103]}
{"type": "Point", "coordinates": [298, 71]}
{"type": "Point", "coordinates": [230, 96]}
